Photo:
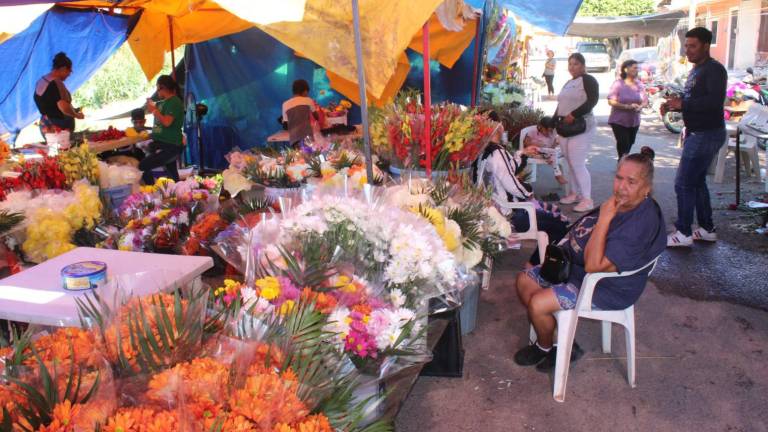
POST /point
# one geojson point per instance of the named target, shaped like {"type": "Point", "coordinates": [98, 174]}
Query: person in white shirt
{"type": "Point", "coordinates": [543, 136]}
{"type": "Point", "coordinates": [497, 168]}
{"type": "Point", "coordinates": [298, 112]}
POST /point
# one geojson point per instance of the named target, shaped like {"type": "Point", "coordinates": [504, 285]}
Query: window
{"type": "Point", "coordinates": [762, 35]}
{"type": "Point", "coordinates": [713, 27]}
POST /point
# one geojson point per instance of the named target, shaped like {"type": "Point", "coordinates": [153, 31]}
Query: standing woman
{"type": "Point", "coordinates": [53, 100]}
{"type": "Point", "coordinates": [575, 101]}
{"type": "Point", "coordinates": [549, 72]}
{"type": "Point", "coordinates": [167, 141]}
{"type": "Point", "coordinates": [626, 98]}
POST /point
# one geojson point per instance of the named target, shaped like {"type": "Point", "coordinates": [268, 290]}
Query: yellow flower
{"type": "Point", "coordinates": [287, 307]}
{"type": "Point", "coordinates": [269, 287]}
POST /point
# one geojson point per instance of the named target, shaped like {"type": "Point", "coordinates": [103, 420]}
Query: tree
{"type": "Point", "coordinates": [617, 7]}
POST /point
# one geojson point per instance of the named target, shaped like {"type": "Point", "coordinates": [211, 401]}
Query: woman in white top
{"type": "Point", "coordinates": [576, 99]}
{"type": "Point", "coordinates": [497, 168]}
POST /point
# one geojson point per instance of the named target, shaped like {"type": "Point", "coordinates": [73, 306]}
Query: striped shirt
{"type": "Point", "coordinates": [497, 168]}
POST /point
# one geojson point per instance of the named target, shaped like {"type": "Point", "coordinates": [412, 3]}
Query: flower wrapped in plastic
{"type": "Point", "coordinates": [55, 382]}
{"type": "Point", "coordinates": [147, 332]}
{"type": "Point", "coordinates": [458, 135]}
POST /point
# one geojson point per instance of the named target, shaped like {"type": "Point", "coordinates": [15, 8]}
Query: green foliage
{"type": "Point", "coordinates": [119, 79]}
{"type": "Point", "coordinates": [616, 7]}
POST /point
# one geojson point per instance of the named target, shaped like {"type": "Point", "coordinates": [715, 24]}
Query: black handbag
{"type": "Point", "coordinates": [565, 130]}
{"type": "Point", "coordinates": [557, 265]}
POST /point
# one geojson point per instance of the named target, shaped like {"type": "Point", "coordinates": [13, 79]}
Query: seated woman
{"type": "Point", "coordinates": [626, 233]}
{"type": "Point", "coordinates": [543, 136]}
{"type": "Point", "coordinates": [498, 169]}
{"type": "Point", "coordinates": [167, 142]}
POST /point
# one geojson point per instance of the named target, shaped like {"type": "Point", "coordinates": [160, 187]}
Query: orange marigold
{"type": "Point", "coordinates": [203, 379]}
{"type": "Point", "coordinates": [313, 423]}
{"type": "Point", "coordinates": [63, 417]}
{"type": "Point", "coordinates": [268, 399]}
{"type": "Point", "coordinates": [130, 420]}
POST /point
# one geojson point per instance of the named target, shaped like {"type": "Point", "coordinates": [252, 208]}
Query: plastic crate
{"type": "Point", "coordinates": [113, 197]}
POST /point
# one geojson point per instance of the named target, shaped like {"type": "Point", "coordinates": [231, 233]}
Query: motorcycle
{"type": "Point", "coordinates": [673, 120]}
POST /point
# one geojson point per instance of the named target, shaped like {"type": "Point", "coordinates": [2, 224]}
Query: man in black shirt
{"type": "Point", "coordinates": [702, 107]}
{"type": "Point", "coordinates": [54, 102]}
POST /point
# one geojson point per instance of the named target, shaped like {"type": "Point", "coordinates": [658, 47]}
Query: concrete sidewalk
{"type": "Point", "coordinates": [701, 364]}
{"type": "Point", "coordinates": [701, 367]}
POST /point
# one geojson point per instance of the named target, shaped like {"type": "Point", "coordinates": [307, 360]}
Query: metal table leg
{"type": "Point", "coordinates": [738, 166]}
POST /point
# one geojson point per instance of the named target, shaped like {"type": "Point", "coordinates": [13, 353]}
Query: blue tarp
{"type": "Point", "coordinates": [552, 15]}
{"type": "Point", "coordinates": [244, 79]}
{"type": "Point", "coordinates": [89, 38]}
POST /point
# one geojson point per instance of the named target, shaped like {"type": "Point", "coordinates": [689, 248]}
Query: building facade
{"type": "Point", "coordinates": [739, 27]}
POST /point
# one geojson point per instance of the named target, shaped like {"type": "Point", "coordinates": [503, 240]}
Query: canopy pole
{"type": "Point", "coordinates": [476, 59]}
{"type": "Point", "coordinates": [361, 87]}
{"type": "Point", "coordinates": [173, 55]}
{"type": "Point", "coordinates": [427, 101]}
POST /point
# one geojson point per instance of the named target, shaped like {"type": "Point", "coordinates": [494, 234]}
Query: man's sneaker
{"type": "Point", "coordinates": [678, 239]}
{"type": "Point", "coordinates": [569, 199]}
{"type": "Point", "coordinates": [549, 363]}
{"type": "Point", "coordinates": [584, 206]}
{"type": "Point", "coordinates": [531, 355]}
{"type": "Point", "coordinates": [703, 235]}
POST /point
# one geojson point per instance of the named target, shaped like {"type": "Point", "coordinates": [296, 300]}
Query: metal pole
{"type": "Point", "coordinates": [173, 55]}
{"type": "Point", "coordinates": [476, 62]}
{"type": "Point", "coordinates": [361, 86]}
{"type": "Point", "coordinates": [427, 101]}
{"type": "Point", "coordinates": [691, 14]}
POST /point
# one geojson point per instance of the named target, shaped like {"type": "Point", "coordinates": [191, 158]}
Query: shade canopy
{"type": "Point", "coordinates": [660, 24]}
{"type": "Point", "coordinates": [89, 38]}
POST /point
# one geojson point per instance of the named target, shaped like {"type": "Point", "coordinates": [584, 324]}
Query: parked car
{"type": "Point", "coordinates": [647, 59]}
{"type": "Point", "coordinates": [596, 55]}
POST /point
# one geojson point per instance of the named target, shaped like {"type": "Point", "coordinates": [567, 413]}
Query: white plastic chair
{"type": "Point", "coordinates": [568, 319]}
{"type": "Point", "coordinates": [534, 162]}
{"type": "Point", "coordinates": [533, 233]}
{"type": "Point", "coordinates": [747, 144]}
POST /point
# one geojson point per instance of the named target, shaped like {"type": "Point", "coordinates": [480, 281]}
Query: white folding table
{"type": "Point", "coordinates": [36, 295]}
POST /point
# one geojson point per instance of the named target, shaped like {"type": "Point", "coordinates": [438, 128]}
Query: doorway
{"type": "Point", "coordinates": [733, 31]}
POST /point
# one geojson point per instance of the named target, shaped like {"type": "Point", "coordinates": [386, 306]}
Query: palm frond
{"type": "Point", "coordinates": [344, 161]}
{"type": "Point", "coordinates": [8, 220]}
{"type": "Point", "coordinates": [470, 219]}
{"type": "Point", "coordinates": [440, 192]}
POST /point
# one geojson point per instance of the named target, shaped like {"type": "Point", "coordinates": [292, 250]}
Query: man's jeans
{"type": "Point", "coordinates": [699, 149]}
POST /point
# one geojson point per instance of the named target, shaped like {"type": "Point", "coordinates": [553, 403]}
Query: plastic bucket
{"type": "Point", "coordinates": [468, 309]}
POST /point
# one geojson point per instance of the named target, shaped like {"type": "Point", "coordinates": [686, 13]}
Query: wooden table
{"type": "Point", "coordinates": [36, 296]}
{"type": "Point", "coordinates": [282, 136]}
{"type": "Point", "coordinates": [103, 146]}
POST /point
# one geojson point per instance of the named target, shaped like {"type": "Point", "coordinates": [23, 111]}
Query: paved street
{"type": "Point", "coordinates": [701, 363]}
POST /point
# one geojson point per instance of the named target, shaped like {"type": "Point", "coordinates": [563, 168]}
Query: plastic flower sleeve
{"type": "Point", "coordinates": [144, 331]}
{"type": "Point", "coordinates": [55, 378]}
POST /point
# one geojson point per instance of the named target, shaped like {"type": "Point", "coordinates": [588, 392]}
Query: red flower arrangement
{"type": "Point", "coordinates": [45, 174]}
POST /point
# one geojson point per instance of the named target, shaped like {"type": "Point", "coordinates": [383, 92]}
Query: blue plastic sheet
{"type": "Point", "coordinates": [551, 15]}
{"type": "Point", "coordinates": [89, 38]}
{"type": "Point", "coordinates": [245, 78]}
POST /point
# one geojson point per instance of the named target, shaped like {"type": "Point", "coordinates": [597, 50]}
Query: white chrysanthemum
{"type": "Point", "coordinates": [397, 298]}
{"type": "Point", "coordinates": [338, 324]}
{"type": "Point", "coordinates": [499, 224]}
{"type": "Point", "coordinates": [469, 257]}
